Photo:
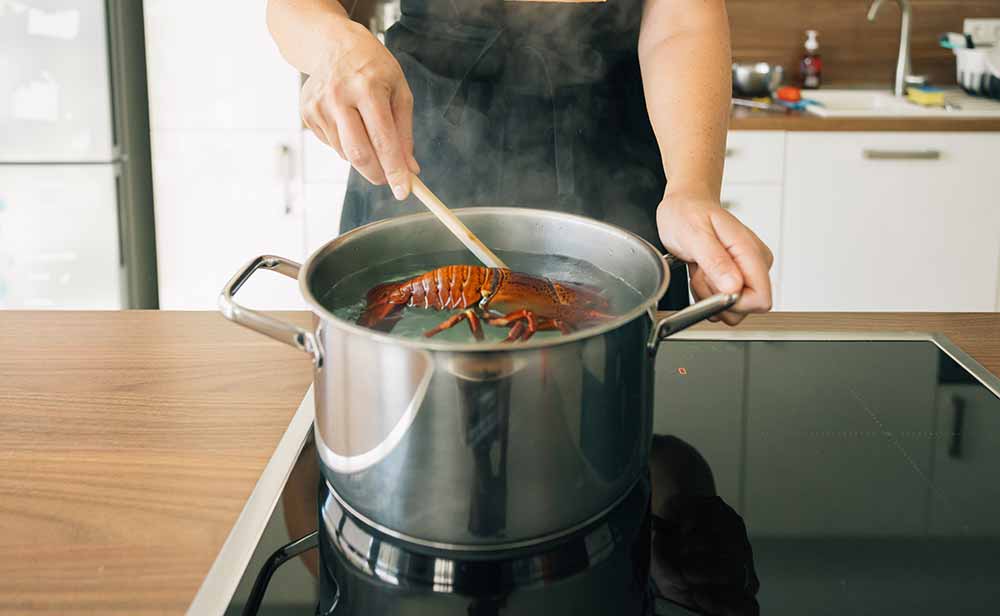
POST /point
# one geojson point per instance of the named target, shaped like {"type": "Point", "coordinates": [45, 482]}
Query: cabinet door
{"type": "Point", "coordinates": [891, 221]}
{"type": "Point", "coordinates": [690, 404]}
{"type": "Point", "coordinates": [324, 176]}
{"type": "Point", "coordinates": [824, 459]}
{"type": "Point", "coordinates": [966, 497]}
{"type": "Point", "coordinates": [323, 205]}
{"type": "Point", "coordinates": [219, 203]}
{"type": "Point", "coordinates": [755, 156]}
{"type": "Point", "coordinates": [758, 206]}
{"type": "Point", "coordinates": [213, 66]}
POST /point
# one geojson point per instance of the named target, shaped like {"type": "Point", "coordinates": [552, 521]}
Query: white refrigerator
{"type": "Point", "coordinates": [75, 190]}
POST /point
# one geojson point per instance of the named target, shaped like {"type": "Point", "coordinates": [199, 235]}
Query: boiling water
{"type": "Point", "coordinates": [346, 299]}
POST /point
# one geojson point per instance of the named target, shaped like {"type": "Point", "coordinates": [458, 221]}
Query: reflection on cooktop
{"type": "Point", "coordinates": [866, 471]}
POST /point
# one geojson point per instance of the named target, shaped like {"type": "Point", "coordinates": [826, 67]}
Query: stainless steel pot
{"type": "Point", "coordinates": [480, 446]}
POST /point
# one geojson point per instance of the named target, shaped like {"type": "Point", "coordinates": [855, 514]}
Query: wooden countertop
{"type": "Point", "coordinates": [130, 442]}
{"type": "Point", "coordinates": [754, 119]}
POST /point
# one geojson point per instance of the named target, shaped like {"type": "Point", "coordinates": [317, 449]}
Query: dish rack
{"type": "Point", "coordinates": [978, 71]}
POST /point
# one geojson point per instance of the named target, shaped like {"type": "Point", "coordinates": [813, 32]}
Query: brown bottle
{"type": "Point", "coordinates": [811, 68]}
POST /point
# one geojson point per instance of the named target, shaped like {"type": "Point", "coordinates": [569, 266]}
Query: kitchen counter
{"type": "Point", "coordinates": [132, 441]}
{"type": "Point", "coordinates": [755, 119]}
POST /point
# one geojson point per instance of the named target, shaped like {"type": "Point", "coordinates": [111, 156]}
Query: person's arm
{"type": "Point", "coordinates": [685, 58]}
{"type": "Point", "coordinates": [356, 99]}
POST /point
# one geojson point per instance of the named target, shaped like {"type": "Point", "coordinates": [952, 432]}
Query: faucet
{"type": "Point", "coordinates": [904, 76]}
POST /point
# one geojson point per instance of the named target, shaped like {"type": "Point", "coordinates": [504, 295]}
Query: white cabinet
{"type": "Point", "coordinates": [758, 206]}
{"type": "Point", "coordinates": [966, 495]}
{"type": "Point", "coordinates": [752, 189]}
{"type": "Point", "coordinates": [754, 156]}
{"type": "Point", "coordinates": [219, 203]}
{"type": "Point", "coordinates": [324, 176]}
{"type": "Point", "coordinates": [823, 471]}
{"type": "Point", "coordinates": [891, 221]}
{"type": "Point", "coordinates": [213, 66]}
{"type": "Point", "coordinates": [226, 149]}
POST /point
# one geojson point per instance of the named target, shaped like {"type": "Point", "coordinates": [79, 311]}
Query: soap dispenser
{"type": "Point", "coordinates": [811, 68]}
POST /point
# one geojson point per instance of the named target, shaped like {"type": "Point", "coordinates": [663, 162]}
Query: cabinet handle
{"type": "Point", "coordinates": [730, 152]}
{"type": "Point", "coordinates": [903, 154]}
{"type": "Point", "coordinates": [286, 169]}
{"type": "Point", "coordinates": [957, 423]}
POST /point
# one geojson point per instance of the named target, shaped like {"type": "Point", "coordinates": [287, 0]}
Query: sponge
{"type": "Point", "coordinates": [926, 96]}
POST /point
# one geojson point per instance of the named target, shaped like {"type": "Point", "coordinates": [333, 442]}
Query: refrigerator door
{"type": "Point", "coordinates": [55, 95]}
{"type": "Point", "coordinates": [59, 239]}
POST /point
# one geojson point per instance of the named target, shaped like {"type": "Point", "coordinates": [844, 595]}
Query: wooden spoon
{"type": "Point", "coordinates": [457, 228]}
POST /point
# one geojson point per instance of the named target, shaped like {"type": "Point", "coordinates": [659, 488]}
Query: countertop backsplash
{"type": "Point", "coordinates": [855, 51]}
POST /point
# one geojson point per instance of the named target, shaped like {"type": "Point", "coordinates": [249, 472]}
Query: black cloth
{"type": "Point", "coordinates": [530, 104]}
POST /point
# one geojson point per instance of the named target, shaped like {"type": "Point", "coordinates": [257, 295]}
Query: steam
{"type": "Point", "coordinates": [527, 104]}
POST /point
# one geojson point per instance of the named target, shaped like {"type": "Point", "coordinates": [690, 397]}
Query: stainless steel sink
{"type": "Point", "coordinates": [879, 103]}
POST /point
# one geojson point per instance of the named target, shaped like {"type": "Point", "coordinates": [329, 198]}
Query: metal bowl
{"type": "Point", "coordinates": [759, 79]}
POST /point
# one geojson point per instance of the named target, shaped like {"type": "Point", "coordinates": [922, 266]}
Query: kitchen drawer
{"type": "Point", "coordinates": [321, 163]}
{"type": "Point", "coordinates": [755, 156]}
{"type": "Point", "coordinates": [758, 206]}
{"type": "Point", "coordinates": [891, 222]}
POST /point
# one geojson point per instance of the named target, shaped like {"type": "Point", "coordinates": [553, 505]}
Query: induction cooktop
{"type": "Point", "coordinates": [865, 468]}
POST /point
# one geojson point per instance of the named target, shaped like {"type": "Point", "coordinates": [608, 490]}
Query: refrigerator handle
{"type": "Point", "coordinates": [286, 171]}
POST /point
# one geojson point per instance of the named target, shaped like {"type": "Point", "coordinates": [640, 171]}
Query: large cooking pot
{"type": "Point", "coordinates": [480, 446]}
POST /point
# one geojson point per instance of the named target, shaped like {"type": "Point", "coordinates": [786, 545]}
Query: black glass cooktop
{"type": "Point", "coordinates": [866, 473]}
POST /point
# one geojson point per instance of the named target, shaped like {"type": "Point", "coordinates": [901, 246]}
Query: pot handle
{"type": "Point", "coordinates": [257, 321]}
{"type": "Point", "coordinates": [679, 321]}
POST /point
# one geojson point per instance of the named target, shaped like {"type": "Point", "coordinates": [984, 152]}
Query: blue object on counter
{"type": "Point", "coordinates": [800, 105]}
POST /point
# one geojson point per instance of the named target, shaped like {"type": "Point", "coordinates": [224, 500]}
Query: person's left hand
{"type": "Point", "coordinates": [723, 255]}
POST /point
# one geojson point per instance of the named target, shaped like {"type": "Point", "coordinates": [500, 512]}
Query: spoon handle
{"type": "Point", "coordinates": [457, 228]}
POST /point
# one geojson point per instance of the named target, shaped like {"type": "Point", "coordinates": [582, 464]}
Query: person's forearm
{"type": "Point", "coordinates": [306, 31]}
{"type": "Point", "coordinates": [685, 56]}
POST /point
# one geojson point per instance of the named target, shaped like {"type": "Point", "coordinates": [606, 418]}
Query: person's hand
{"type": "Point", "coordinates": [357, 101]}
{"type": "Point", "coordinates": [724, 256]}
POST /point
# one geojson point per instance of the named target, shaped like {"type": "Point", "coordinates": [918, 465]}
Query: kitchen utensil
{"type": "Point", "coordinates": [459, 230]}
{"type": "Point", "coordinates": [483, 446]}
{"type": "Point", "coordinates": [758, 79]}
{"type": "Point", "coordinates": [742, 102]}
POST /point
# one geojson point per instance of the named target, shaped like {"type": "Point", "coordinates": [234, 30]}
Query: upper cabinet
{"type": "Point", "coordinates": [890, 221]}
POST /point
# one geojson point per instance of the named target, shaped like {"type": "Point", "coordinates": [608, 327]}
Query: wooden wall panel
{"type": "Point", "coordinates": [854, 50]}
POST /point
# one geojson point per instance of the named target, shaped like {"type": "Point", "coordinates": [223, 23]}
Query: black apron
{"type": "Point", "coordinates": [531, 104]}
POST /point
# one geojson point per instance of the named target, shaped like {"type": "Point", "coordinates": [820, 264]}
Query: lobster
{"type": "Point", "coordinates": [526, 304]}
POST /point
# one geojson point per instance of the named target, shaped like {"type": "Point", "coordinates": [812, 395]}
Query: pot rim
{"type": "Point", "coordinates": [645, 307]}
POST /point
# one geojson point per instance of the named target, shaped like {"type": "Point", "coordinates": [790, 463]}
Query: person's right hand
{"type": "Point", "coordinates": [357, 101]}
